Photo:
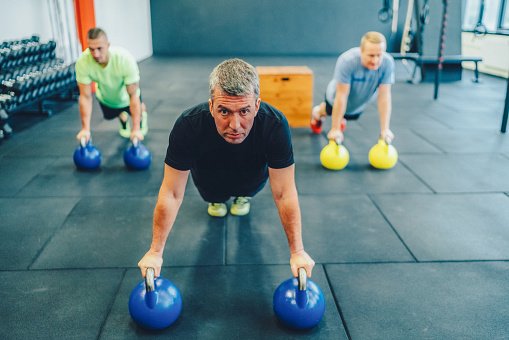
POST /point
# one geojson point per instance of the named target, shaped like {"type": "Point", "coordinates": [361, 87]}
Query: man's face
{"type": "Point", "coordinates": [99, 49]}
{"type": "Point", "coordinates": [234, 115]}
{"type": "Point", "coordinates": [372, 55]}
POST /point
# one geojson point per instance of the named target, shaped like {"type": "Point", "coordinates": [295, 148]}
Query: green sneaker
{"type": "Point", "coordinates": [144, 124]}
{"type": "Point", "coordinates": [125, 127]}
{"type": "Point", "coordinates": [240, 206]}
{"type": "Point", "coordinates": [217, 209]}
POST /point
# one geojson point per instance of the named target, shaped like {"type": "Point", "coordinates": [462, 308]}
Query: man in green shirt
{"type": "Point", "coordinates": [117, 76]}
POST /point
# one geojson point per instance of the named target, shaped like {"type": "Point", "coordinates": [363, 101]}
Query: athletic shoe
{"type": "Point", "coordinates": [316, 123]}
{"type": "Point", "coordinates": [144, 124]}
{"type": "Point", "coordinates": [125, 127]}
{"type": "Point", "coordinates": [217, 209]}
{"type": "Point", "coordinates": [240, 206]}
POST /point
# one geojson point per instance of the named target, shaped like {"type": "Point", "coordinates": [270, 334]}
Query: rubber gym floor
{"type": "Point", "coordinates": [420, 251]}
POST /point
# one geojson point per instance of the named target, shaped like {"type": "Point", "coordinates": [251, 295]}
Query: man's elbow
{"type": "Point", "coordinates": [285, 194]}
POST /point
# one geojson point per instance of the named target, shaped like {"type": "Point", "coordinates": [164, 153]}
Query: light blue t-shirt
{"type": "Point", "coordinates": [363, 82]}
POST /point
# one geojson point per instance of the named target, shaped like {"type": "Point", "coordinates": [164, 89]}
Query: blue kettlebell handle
{"type": "Point", "coordinates": [301, 295]}
{"type": "Point", "coordinates": [83, 144]}
{"type": "Point", "coordinates": [136, 147]}
{"type": "Point", "coordinates": [302, 279]}
{"type": "Point", "coordinates": [150, 296]}
{"type": "Point", "coordinates": [149, 280]}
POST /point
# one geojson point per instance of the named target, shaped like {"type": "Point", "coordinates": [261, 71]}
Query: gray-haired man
{"type": "Point", "coordinates": [231, 145]}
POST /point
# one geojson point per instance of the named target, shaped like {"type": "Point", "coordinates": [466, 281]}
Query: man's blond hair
{"type": "Point", "coordinates": [374, 38]}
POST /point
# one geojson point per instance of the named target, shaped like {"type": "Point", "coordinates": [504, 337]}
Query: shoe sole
{"type": "Point", "coordinates": [217, 215]}
{"type": "Point", "coordinates": [124, 133]}
{"type": "Point", "coordinates": [315, 128]}
{"type": "Point", "coordinates": [239, 213]}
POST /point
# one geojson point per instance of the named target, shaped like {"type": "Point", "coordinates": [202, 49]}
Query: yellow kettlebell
{"type": "Point", "coordinates": [334, 156]}
{"type": "Point", "coordinates": [383, 155]}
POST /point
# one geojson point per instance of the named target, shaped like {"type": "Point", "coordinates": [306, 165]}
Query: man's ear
{"type": "Point", "coordinates": [211, 107]}
{"type": "Point", "coordinates": [257, 105]}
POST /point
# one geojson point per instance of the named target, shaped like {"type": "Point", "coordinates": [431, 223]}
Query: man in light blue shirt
{"type": "Point", "coordinates": [361, 75]}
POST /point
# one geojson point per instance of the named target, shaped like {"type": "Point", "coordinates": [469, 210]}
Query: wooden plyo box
{"type": "Point", "coordinates": [290, 90]}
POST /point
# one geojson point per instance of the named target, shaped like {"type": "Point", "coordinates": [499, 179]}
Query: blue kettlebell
{"type": "Point", "coordinates": [299, 302]}
{"type": "Point", "coordinates": [87, 156]}
{"type": "Point", "coordinates": [155, 304]}
{"type": "Point", "coordinates": [137, 156]}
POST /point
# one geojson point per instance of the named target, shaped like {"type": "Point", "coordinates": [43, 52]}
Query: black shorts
{"type": "Point", "coordinates": [328, 109]}
{"type": "Point", "coordinates": [216, 197]}
{"type": "Point", "coordinates": [111, 113]}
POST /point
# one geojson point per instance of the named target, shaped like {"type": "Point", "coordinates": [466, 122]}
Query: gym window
{"type": "Point", "coordinates": [504, 24]}
{"type": "Point", "coordinates": [489, 15]}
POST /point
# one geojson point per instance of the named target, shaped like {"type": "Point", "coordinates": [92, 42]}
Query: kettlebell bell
{"type": "Point", "coordinates": [383, 155]}
{"type": "Point", "coordinates": [299, 302]}
{"type": "Point", "coordinates": [155, 304]}
{"type": "Point", "coordinates": [87, 156]}
{"type": "Point", "coordinates": [137, 156]}
{"type": "Point", "coordinates": [334, 156]}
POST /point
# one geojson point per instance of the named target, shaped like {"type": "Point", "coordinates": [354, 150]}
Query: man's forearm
{"type": "Point", "coordinates": [384, 100]}
{"type": "Point", "coordinates": [165, 214]}
{"type": "Point", "coordinates": [338, 112]}
{"type": "Point", "coordinates": [135, 107]}
{"type": "Point", "coordinates": [385, 108]}
{"type": "Point", "coordinates": [289, 213]}
{"type": "Point", "coordinates": [85, 104]}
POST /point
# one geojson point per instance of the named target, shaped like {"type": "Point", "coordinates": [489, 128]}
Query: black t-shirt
{"type": "Point", "coordinates": [220, 167]}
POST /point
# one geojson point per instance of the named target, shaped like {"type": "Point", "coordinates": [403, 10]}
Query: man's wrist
{"type": "Point", "coordinates": [299, 250]}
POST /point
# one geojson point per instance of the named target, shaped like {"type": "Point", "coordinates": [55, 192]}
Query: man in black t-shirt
{"type": "Point", "coordinates": [231, 145]}
{"type": "Point", "coordinates": [221, 169]}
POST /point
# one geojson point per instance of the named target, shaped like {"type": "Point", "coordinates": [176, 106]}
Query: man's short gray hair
{"type": "Point", "coordinates": [234, 77]}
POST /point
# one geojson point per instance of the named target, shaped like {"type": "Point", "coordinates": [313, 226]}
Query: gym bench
{"type": "Point", "coordinates": [425, 61]}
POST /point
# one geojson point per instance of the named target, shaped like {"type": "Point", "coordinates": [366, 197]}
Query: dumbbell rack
{"type": "Point", "coordinates": [30, 73]}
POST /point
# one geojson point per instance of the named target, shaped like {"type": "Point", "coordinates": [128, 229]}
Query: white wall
{"type": "Point", "coordinates": [494, 50]}
{"type": "Point", "coordinates": [22, 18]}
{"type": "Point", "coordinates": [127, 22]}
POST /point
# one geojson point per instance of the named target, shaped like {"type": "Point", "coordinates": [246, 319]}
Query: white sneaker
{"type": "Point", "coordinates": [217, 209]}
{"type": "Point", "coordinates": [240, 206]}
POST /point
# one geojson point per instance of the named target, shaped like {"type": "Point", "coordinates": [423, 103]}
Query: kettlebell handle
{"type": "Point", "coordinates": [135, 142]}
{"type": "Point", "coordinates": [302, 279]}
{"type": "Point", "coordinates": [83, 142]}
{"type": "Point", "coordinates": [387, 141]}
{"type": "Point", "coordinates": [149, 280]}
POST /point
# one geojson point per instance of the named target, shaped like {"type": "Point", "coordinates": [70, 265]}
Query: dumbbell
{"type": "Point", "coordinates": [6, 85]}
{"type": "Point", "coordinates": [5, 127]}
{"type": "Point", "coordinates": [5, 102]}
{"type": "Point", "coordinates": [52, 45]}
{"type": "Point", "coordinates": [3, 116]}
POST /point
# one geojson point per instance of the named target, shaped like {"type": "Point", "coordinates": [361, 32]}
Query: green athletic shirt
{"type": "Point", "coordinates": [111, 80]}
